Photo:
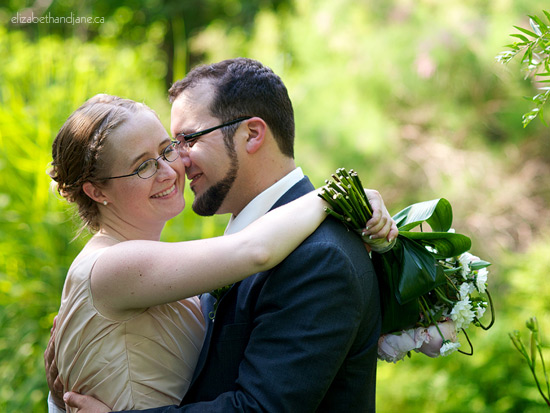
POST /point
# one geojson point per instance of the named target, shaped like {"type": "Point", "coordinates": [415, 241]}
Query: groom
{"type": "Point", "coordinates": [304, 338]}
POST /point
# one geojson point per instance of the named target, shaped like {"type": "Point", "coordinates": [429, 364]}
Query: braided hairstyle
{"type": "Point", "coordinates": [78, 150]}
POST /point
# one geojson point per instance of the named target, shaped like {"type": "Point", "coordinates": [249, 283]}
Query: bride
{"type": "Point", "coordinates": [130, 327]}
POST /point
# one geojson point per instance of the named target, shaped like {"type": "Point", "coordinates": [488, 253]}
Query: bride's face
{"type": "Point", "coordinates": [141, 202]}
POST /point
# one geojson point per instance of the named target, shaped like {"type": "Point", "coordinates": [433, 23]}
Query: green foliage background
{"type": "Point", "coordinates": [405, 92]}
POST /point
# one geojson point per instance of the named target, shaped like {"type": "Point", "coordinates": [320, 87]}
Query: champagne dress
{"type": "Point", "coordinates": [144, 361]}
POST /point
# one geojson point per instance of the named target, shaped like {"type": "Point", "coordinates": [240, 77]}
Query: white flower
{"type": "Point", "coordinates": [431, 249]}
{"type": "Point", "coordinates": [465, 260]}
{"type": "Point", "coordinates": [420, 336]}
{"type": "Point", "coordinates": [449, 347]}
{"type": "Point", "coordinates": [465, 290]}
{"type": "Point", "coordinates": [480, 310]}
{"type": "Point", "coordinates": [434, 338]}
{"type": "Point", "coordinates": [462, 314]}
{"type": "Point", "coordinates": [394, 347]}
{"type": "Point", "coordinates": [481, 280]}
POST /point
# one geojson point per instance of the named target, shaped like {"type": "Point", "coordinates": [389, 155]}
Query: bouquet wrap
{"type": "Point", "coordinates": [426, 278]}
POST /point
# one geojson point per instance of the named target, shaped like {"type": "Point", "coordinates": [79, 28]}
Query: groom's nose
{"type": "Point", "coordinates": [184, 155]}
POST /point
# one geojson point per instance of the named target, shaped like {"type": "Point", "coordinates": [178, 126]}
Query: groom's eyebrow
{"type": "Point", "coordinates": [185, 132]}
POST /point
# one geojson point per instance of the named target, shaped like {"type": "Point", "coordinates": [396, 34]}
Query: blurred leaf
{"type": "Point", "coordinates": [527, 32]}
{"type": "Point", "coordinates": [537, 25]}
{"type": "Point", "coordinates": [437, 213]}
{"type": "Point", "coordinates": [445, 244]}
{"type": "Point", "coordinates": [519, 36]}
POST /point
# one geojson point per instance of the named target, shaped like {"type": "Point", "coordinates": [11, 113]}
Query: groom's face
{"type": "Point", "coordinates": [211, 164]}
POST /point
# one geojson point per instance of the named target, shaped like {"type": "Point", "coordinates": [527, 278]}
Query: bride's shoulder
{"type": "Point", "coordinates": [88, 255]}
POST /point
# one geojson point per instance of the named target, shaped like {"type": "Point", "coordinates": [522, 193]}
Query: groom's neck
{"type": "Point", "coordinates": [253, 182]}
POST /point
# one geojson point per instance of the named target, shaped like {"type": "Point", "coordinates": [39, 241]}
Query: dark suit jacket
{"type": "Point", "coordinates": [301, 337]}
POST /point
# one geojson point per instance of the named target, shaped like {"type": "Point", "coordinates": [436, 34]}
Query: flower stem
{"type": "Point", "coordinates": [471, 353]}
{"type": "Point", "coordinates": [518, 343]}
{"type": "Point", "coordinates": [442, 296]}
{"type": "Point", "coordinates": [359, 185]}
{"type": "Point", "coordinates": [491, 306]}
{"type": "Point", "coordinates": [429, 317]}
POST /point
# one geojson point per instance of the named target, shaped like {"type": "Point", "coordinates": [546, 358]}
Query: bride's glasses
{"type": "Point", "coordinates": [150, 167]}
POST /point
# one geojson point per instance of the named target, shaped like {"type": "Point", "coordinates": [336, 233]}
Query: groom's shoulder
{"type": "Point", "coordinates": [331, 250]}
{"type": "Point", "coordinates": [331, 230]}
{"type": "Point", "coordinates": [332, 234]}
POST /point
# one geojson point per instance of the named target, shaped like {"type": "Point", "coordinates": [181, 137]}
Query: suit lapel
{"type": "Point", "coordinates": [302, 187]}
{"type": "Point", "coordinates": [207, 300]}
{"type": "Point", "coordinates": [207, 305]}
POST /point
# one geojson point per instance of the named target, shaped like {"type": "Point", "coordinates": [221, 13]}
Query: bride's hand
{"type": "Point", "coordinates": [381, 230]}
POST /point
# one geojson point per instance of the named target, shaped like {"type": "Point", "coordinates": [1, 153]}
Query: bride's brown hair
{"type": "Point", "coordinates": [78, 150]}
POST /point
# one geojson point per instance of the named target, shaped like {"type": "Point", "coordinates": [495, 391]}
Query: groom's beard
{"type": "Point", "coordinates": [210, 202]}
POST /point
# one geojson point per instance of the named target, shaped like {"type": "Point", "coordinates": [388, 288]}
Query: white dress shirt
{"type": "Point", "coordinates": [52, 407]}
{"type": "Point", "coordinates": [263, 202]}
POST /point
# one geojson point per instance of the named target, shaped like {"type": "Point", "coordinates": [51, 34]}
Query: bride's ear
{"type": "Point", "coordinates": [94, 192]}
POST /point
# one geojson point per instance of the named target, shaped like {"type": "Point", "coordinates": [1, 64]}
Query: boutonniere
{"type": "Point", "coordinates": [218, 294]}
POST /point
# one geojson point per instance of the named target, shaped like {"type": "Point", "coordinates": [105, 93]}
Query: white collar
{"type": "Point", "coordinates": [263, 202]}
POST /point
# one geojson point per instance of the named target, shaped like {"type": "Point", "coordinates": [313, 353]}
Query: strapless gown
{"type": "Point", "coordinates": [144, 361]}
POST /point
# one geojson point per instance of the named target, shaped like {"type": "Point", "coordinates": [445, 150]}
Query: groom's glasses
{"type": "Point", "coordinates": [188, 140]}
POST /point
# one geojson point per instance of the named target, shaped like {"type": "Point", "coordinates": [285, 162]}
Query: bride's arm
{"type": "Point", "coordinates": [139, 274]}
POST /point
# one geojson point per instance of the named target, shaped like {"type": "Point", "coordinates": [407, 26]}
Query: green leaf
{"type": "Point", "coordinates": [437, 213]}
{"type": "Point", "coordinates": [541, 116]}
{"type": "Point", "coordinates": [529, 54]}
{"type": "Point", "coordinates": [537, 25]}
{"type": "Point", "coordinates": [447, 244]}
{"type": "Point", "coordinates": [405, 273]}
{"type": "Point", "coordinates": [412, 270]}
{"type": "Point", "coordinates": [527, 32]}
{"type": "Point", "coordinates": [477, 265]}
{"type": "Point", "coordinates": [547, 15]}
{"type": "Point", "coordinates": [395, 316]}
{"type": "Point", "coordinates": [521, 37]}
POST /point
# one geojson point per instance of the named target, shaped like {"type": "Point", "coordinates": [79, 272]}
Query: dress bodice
{"type": "Point", "coordinates": [145, 361]}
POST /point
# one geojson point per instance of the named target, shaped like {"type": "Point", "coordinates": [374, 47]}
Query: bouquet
{"type": "Point", "coordinates": [431, 287]}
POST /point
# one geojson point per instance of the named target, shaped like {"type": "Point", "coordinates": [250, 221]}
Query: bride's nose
{"type": "Point", "coordinates": [165, 170]}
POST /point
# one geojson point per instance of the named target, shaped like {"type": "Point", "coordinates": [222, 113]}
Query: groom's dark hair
{"type": "Point", "coordinates": [245, 87]}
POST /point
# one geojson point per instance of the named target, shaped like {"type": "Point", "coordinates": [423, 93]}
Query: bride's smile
{"type": "Point", "coordinates": [164, 193]}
